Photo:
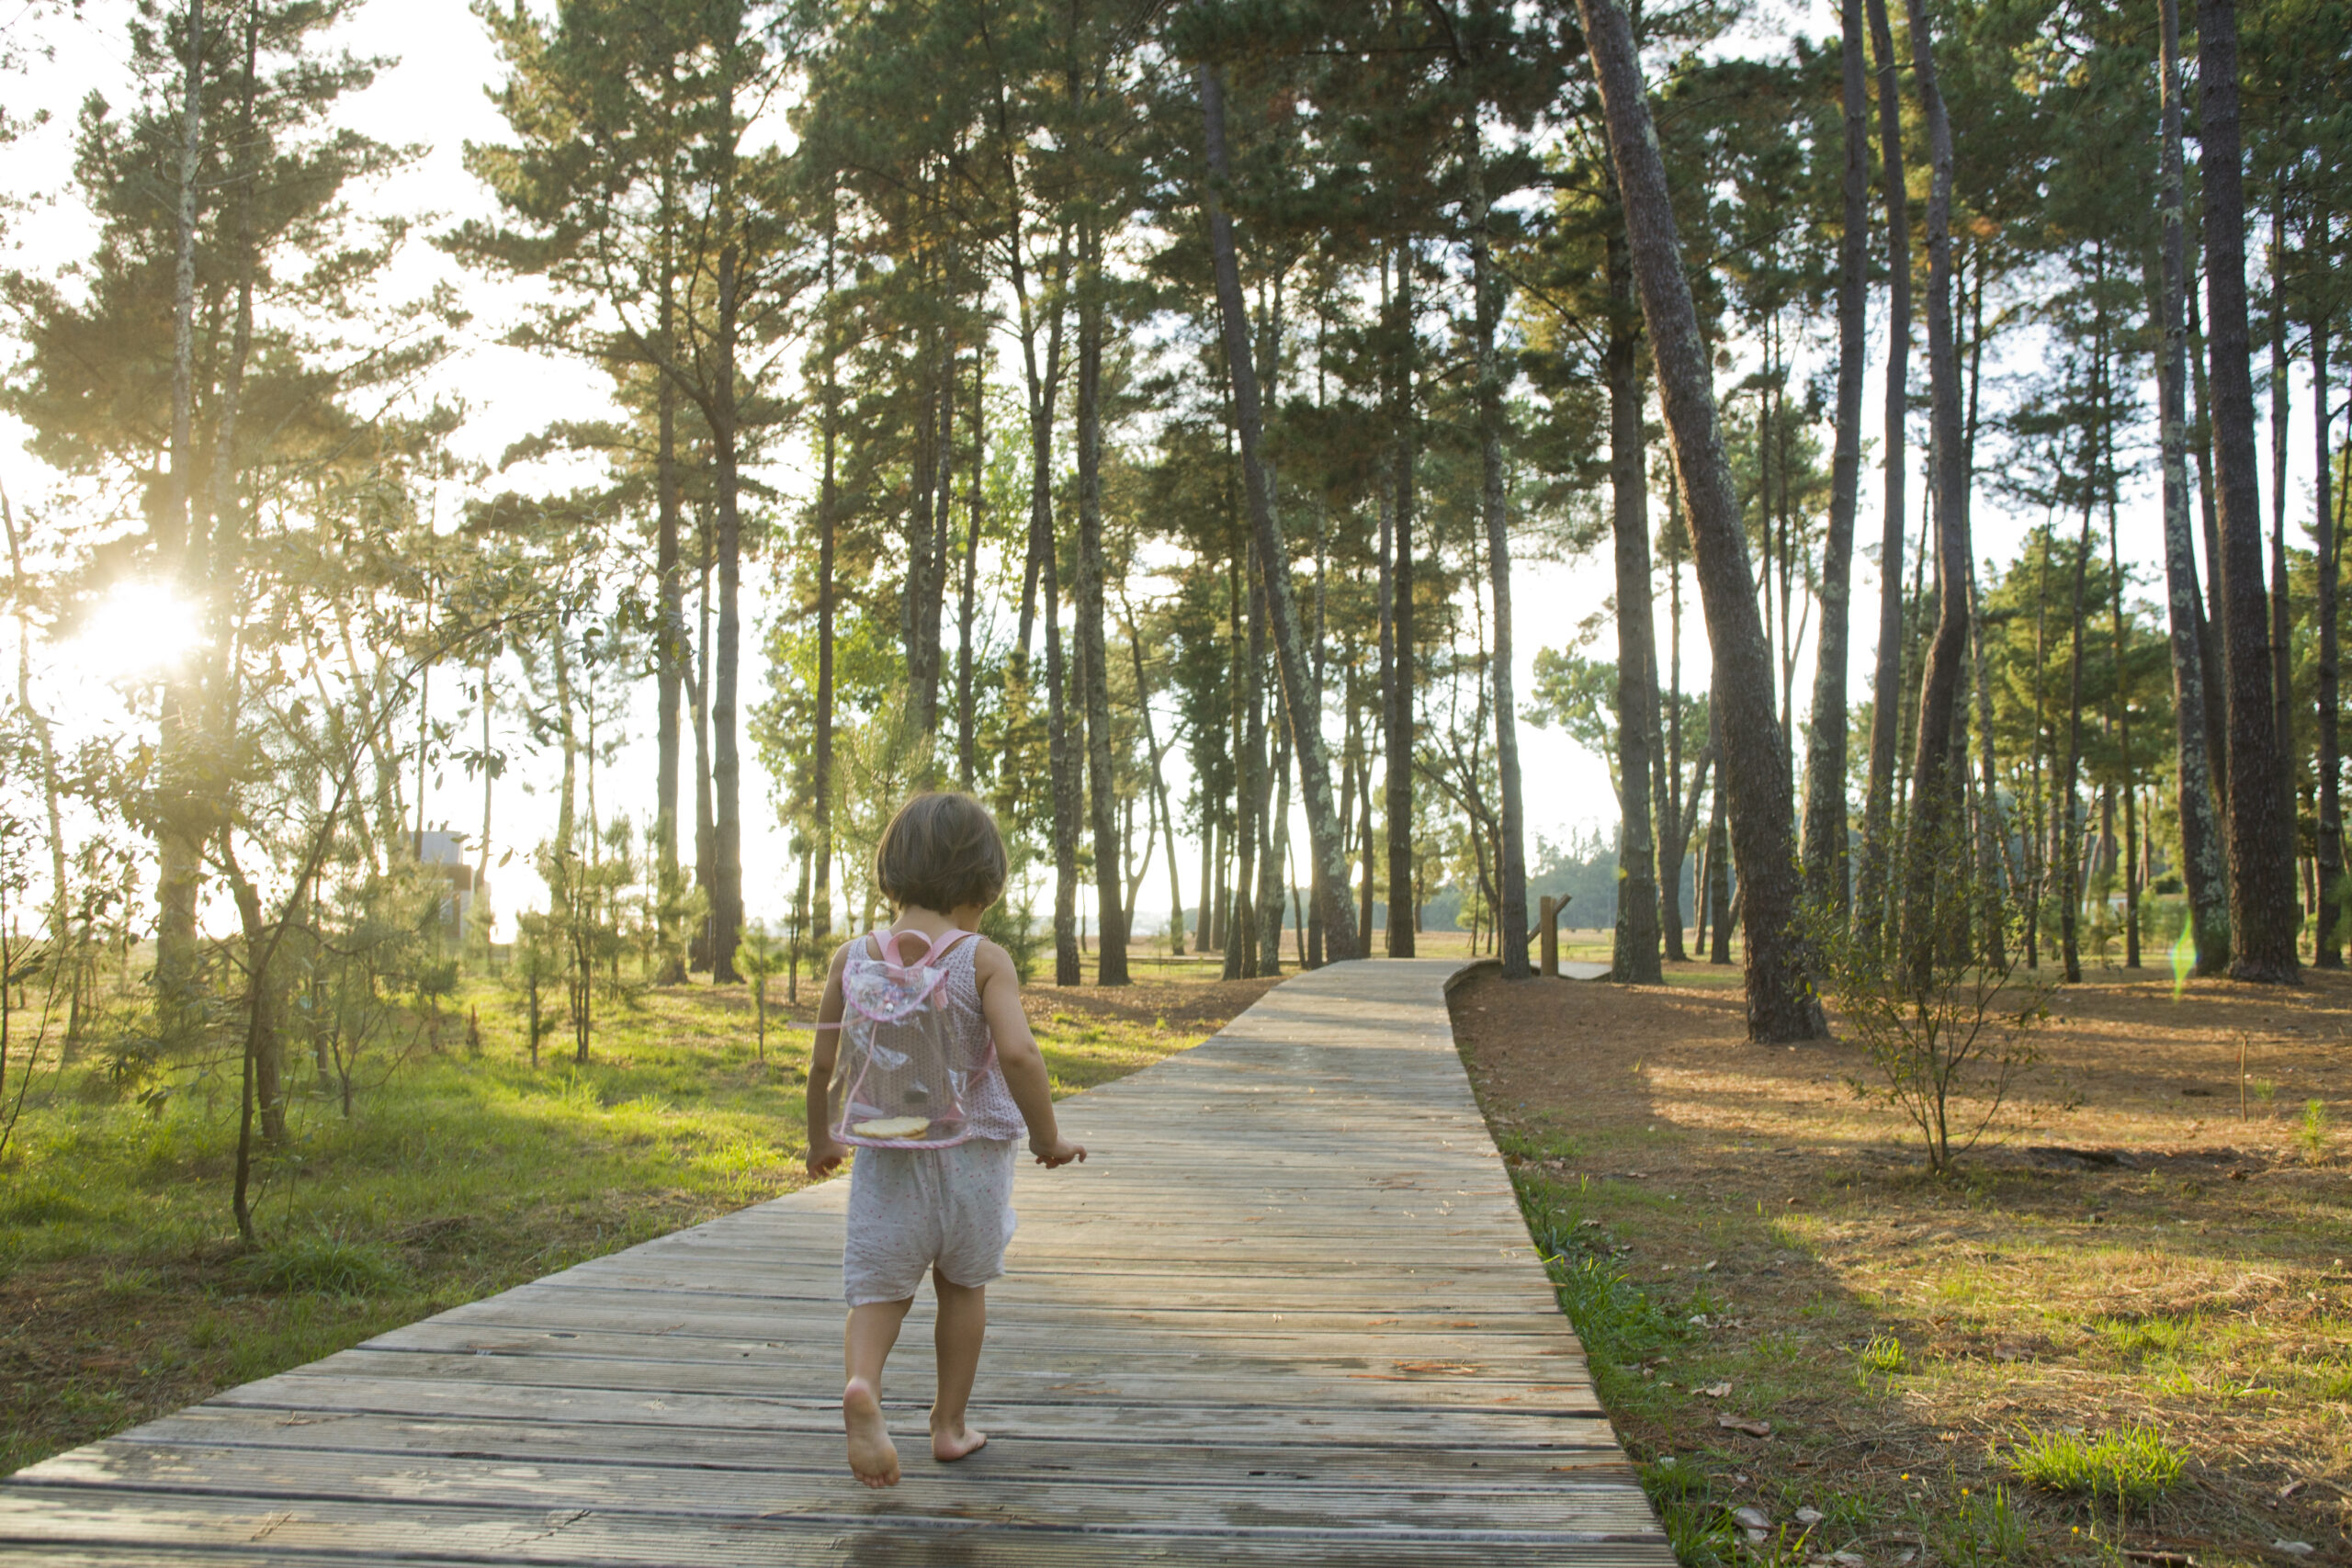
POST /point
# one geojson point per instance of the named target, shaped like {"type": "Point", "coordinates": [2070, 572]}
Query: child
{"type": "Point", "coordinates": [941, 863]}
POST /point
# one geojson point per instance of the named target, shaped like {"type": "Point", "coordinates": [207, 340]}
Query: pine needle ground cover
{"type": "Point", "coordinates": [123, 1293]}
{"type": "Point", "coordinates": [2123, 1332]}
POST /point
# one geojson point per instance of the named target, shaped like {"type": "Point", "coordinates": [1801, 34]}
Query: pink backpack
{"type": "Point", "coordinates": [900, 1084]}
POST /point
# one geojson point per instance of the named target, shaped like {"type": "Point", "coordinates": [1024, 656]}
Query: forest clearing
{"type": "Point", "coordinates": [1842, 506]}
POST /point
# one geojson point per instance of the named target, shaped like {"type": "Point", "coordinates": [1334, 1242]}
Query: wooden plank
{"type": "Point", "coordinates": [1405, 1431]}
{"type": "Point", "coordinates": [1565, 1389]}
{"type": "Point", "coordinates": [1007, 1307]}
{"type": "Point", "coordinates": [816, 1449]}
{"type": "Point", "coordinates": [1612, 1502]}
{"type": "Point", "coordinates": [1441, 1336]}
{"type": "Point", "coordinates": [1221, 1355]}
{"type": "Point", "coordinates": [589, 1532]}
{"type": "Point", "coordinates": [1287, 1313]}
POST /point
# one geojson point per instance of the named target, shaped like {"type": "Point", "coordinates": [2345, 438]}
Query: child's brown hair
{"type": "Point", "coordinates": [940, 853]}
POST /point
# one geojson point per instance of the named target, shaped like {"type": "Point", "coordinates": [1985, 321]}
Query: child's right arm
{"type": "Point", "coordinates": [824, 1153]}
{"type": "Point", "coordinates": [1017, 1054]}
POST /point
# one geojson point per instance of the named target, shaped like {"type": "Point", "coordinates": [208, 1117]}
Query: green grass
{"type": "Point", "coordinates": [2132, 1468]}
{"type": "Point", "coordinates": [1883, 1356]}
{"type": "Point", "coordinates": [124, 1290]}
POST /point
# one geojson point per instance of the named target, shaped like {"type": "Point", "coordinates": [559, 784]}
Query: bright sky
{"type": "Point", "coordinates": [434, 95]}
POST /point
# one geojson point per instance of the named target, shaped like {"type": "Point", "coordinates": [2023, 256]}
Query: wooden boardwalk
{"type": "Point", "coordinates": [1287, 1312]}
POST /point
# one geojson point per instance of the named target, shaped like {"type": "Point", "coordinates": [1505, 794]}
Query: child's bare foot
{"type": "Point", "coordinates": [950, 1444]}
{"type": "Point", "coordinates": [872, 1456]}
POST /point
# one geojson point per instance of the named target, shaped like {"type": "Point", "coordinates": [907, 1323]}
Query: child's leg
{"type": "Point", "coordinates": [866, 1345]}
{"type": "Point", "coordinates": [963, 1324]}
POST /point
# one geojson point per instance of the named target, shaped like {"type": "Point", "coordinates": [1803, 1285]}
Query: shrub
{"type": "Point", "coordinates": [1930, 993]}
{"type": "Point", "coordinates": [2312, 1134]}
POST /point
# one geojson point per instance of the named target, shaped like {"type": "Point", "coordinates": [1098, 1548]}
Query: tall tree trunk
{"type": "Point", "coordinates": [180, 833]}
{"type": "Point", "coordinates": [820, 764]}
{"type": "Point", "coordinates": [1992, 834]}
{"type": "Point", "coordinates": [489, 780]}
{"type": "Point", "coordinates": [1063, 776]}
{"type": "Point", "coordinates": [1886, 685]}
{"type": "Point", "coordinates": [2328, 952]}
{"type": "Point", "coordinates": [260, 1029]}
{"type": "Point", "coordinates": [1825, 751]}
{"type": "Point", "coordinates": [1682, 811]}
{"type": "Point", "coordinates": [1511, 870]}
{"type": "Point", "coordinates": [1716, 898]}
{"type": "Point", "coordinates": [1397, 722]}
{"type": "Point", "coordinates": [1166, 819]}
{"type": "Point", "coordinates": [1387, 596]}
{"type": "Point", "coordinates": [2282, 643]}
{"type": "Point", "coordinates": [698, 952]}
{"type": "Point", "coordinates": [726, 764]}
{"type": "Point", "coordinates": [2123, 727]}
{"type": "Point", "coordinates": [1110, 966]}
{"type": "Point", "coordinates": [967, 596]}
{"type": "Point", "coordinates": [2263, 918]}
{"type": "Point", "coordinates": [936, 579]}
{"type": "Point", "coordinates": [1997, 878]}
{"type": "Point", "coordinates": [1635, 959]}
{"type": "Point", "coordinates": [2211, 613]}
{"type": "Point", "coordinates": [1274, 850]}
{"type": "Point", "coordinates": [1302, 701]}
{"type": "Point", "coordinates": [1935, 818]}
{"type": "Point", "coordinates": [1044, 565]}
{"type": "Point", "coordinates": [670, 636]}
{"type": "Point", "coordinates": [1241, 845]}
{"type": "Point", "coordinates": [224, 559]}
{"type": "Point", "coordinates": [1780, 1002]}
{"type": "Point", "coordinates": [2200, 833]}
{"type": "Point", "coordinates": [2037, 835]}
{"type": "Point", "coordinates": [1203, 938]}
{"type": "Point", "coordinates": [923, 471]}
{"type": "Point", "coordinates": [2070, 833]}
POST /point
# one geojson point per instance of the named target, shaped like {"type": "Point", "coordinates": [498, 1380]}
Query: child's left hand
{"type": "Point", "coordinates": [825, 1156]}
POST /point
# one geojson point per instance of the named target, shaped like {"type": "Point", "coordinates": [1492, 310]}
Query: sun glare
{"type": "Point", "coordinates": [141, 629]}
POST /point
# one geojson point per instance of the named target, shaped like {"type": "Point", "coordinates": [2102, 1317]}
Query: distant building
{"type": "Point", "coordinates": [444, 853]}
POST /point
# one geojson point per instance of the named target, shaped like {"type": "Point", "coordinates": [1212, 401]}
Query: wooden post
{"type": "Point", "coordinates": [1548, 925]}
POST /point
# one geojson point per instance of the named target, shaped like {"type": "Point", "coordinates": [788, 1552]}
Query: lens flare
{"type": "Point", "coordinates": [140, 628]}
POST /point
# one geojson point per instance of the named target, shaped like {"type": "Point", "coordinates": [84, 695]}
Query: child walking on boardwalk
{"type": "Point", "coordinates": [931, 1190]}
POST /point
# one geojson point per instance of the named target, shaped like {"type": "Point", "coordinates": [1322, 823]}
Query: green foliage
{"type": "Point", "coordinates": [2132, 1467]}
{"type": "Point", "coordinates": [1884, 1356]}
{"type": "Point", "coordinates": [1580, 695]}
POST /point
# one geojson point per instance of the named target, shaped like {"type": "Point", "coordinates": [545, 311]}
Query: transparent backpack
{"type": "Point", "coordinates": [901, 1085]}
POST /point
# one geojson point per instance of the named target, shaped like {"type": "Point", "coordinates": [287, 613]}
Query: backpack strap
{"type": "Point", "coordinates": [893, 951]}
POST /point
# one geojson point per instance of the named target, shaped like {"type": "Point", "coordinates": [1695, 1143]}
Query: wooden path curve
{"type": "Point", "coordinates": [1287, 1312]}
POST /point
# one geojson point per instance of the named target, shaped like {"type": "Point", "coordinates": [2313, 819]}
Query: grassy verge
{"type": "Point", "coordinates": [2119, 1336]}
{"type": "Point", "coordinates": [459, 1172]}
